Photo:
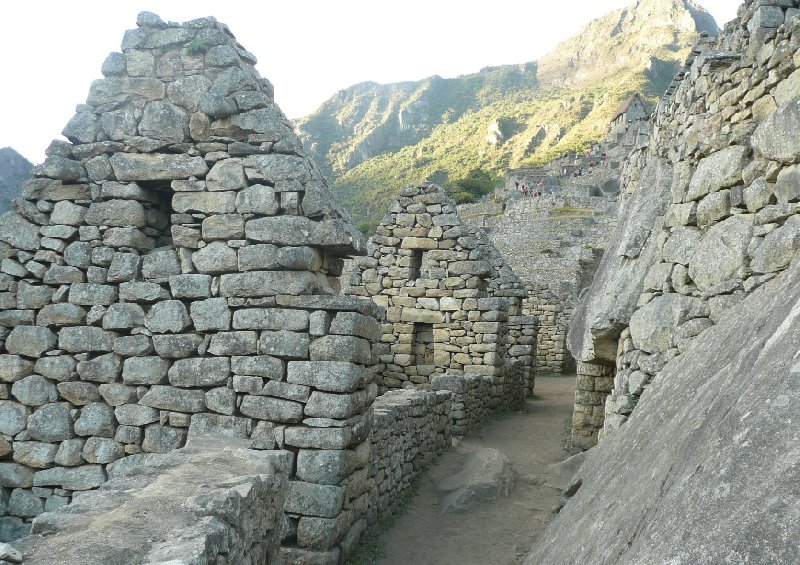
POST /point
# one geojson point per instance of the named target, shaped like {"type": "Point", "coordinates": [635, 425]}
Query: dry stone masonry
{"type": "Point", "coordinates": [710, 213]}
{"type": "Point", "coordinates": [173, 325]}
{"type": "Point", "coordinates": [453, 305]}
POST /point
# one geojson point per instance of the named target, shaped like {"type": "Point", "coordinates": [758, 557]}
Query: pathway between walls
{"type": "Point", "coordinates": [499, 533]}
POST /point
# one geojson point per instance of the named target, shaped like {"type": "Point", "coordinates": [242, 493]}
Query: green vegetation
{"type": "Point", "coordinates": [196, 46]}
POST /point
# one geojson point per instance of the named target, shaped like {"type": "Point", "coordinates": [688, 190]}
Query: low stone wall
{"type": "Point", "coordinates": [411, 427]}
{"type": "Point", "coordinates": [217, 502]}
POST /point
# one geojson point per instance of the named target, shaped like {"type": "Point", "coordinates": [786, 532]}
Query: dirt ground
{"type": "Point", "coordinates": [503, 532]}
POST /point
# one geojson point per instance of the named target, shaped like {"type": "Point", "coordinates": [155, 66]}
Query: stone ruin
{"type": "Point", "coordinates": [453, 306]}
{"type": "Point", "coordinates": [171, 300]}
{"type": "Point", "coordinates": [703, 224]}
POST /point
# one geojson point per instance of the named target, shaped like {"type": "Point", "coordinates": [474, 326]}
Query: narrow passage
{"type": "Point", "coordinates": [499, 533]}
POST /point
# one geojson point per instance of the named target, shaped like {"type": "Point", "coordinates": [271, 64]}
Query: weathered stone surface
{"type": "Point", "coordinates": [216, 257]}
{"type": "Point", "coordinates": [684, 427]}
{"type": "Point", "coordinates": [652, 326]}
{"type": "Point", "coordinates": [96, 419]}
{"type": "Point", "coordinates": [17, 231]}
{"type": "Point", "coordinates": [775, 138]}
{"type": "Point", "coordinates": [14, 367]}
{"type": "Point", "coordinates": [778, 248]}
{"type": "Point", "coordinates": [171, 398]}
{"type": "Point", "coordinates": [486, 476]}
{"type": "Point", "coordinates": [117, 213]}
{"type": "Point", "coordinates": [211, 314]}
{"type": "Point", "coordinates": [34, 390]}
{"type": "Point", "coordinates": [722, 253]}
{"type": "Point", "coordinates": [298, 231]}
{"type": "Point", "coordinates": [341, 348]}
{"type": "Point", "coordinates": [144, 370]}
{"type": "Point", "coordinates": [102, 369]}
{"type": "Point", "coordinates": [270, 319]}
{"type": "Point", "coordinates": [268, 283]}
{"type": "Point", "coordinates": [168, 316]}
{"type": "Point", "coordinates": [50, 423]}
{"type": "Point", "coordinates": [177, 346]}
{"type": "Point", "coordinates": [78, 393]}
{"type": "Point", "coordinates": [259, 366]}
{"type": "Point", "coordinates": [720, 170]}
{"type": "Point", "coordinates": [160, 166]}
{"type": "Point", "coordinates": [284, 344]}
{"type": "Point", "coordinates": [123, 316]}
{"type": "Point", "coordinates": [135, 415]}
{"type": "Point", "coordinates": [199, 372]}
{"type": "Point", "coordinates": [79, 478]}
{"type": "Point", "coordinates": [331, 376]}
{"type": "Point", "coordinates": [32, 341]}
{"type": "Point", "coordinates": [272, 409]}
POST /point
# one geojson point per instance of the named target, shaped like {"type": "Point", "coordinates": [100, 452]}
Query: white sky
{"type": "Point", "coordinates": [50, 51]}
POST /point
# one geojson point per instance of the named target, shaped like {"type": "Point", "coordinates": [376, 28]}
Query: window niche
{"type": "Point", "coordinates": [415, 265]}
{"type": "Point", "coordinates": [422, 345]}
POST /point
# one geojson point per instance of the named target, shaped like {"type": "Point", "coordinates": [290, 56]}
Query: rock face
{"type": "Point", "coordinates": [14, 170]}
{"type": "Point", "coordinates": [709, 213]}
{"type": "Point", "coordinates": [680, 472]}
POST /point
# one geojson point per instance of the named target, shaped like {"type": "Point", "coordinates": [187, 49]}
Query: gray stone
{"type": "Point", "coordinates": [722, 169]}
{"type": "Point", "coordinates": [67, 213]}
{"type": "Point", "coordinates": [133, 345]}
{"type": "Point", "coordinates": [162, 439]}
{"type": "Point", "coordinates": [63, 274]}
{"type": "Point", "coordinates": [257, 199]}
{"type": "Point", "coordinates": [722, 253]}
{"type": "Point", "coordinates": [284, 344]}
{"type": "Point", "coordinates": [166, 122]}
{"type": "Point", "coordinates": [234, 343]}
{"type": "Point", "coordinates": [81, 478]}
{"type": "Point", "coordinates": [160, 264]}
{"type": "Point", "coordinates": [61, 315]}
{"type": "Point", "coordinates": [270, 319]}
{"type": "Point", "coordinates": [272, 409]}
{"type": "Point", "coordinates": [713, 208]}
{"type": "Point", "coordinates": [775, 138]}
{"type": "Point", "coordinates": [57, 368]}
{"type": "Point", "coordinates": [34, 390]}
{"type": "Point", "coordinates": [96, 419]}
{"type": "Point", "coordinates": [78, 254]}
{"type": "Point", "coordinates": [101, 369]}
{"type": "Point", "coordinates": [89, 294]}
{"type": "Point", "coordinates": [352, 323]}
{"type": "Point", "coordinates": [177, 346]}
{"type": "Point", "coordinates": [32, 296]}
{"type": "Point", "coordinates": [35, 454]}
{"type": "Point", "coordinates": [190, 286]}
{"type": "Point", "coordinates": [341, 348]}
{"type": "Point", "coordinates": [32, 341]}
{"type": "Point", "coordinates": [216, 257]}
{"type": "Point", "coordinates": [342, 406]}
{"type": "Point", "coordinates": [78, 393]}
{"type": "Point", "coordinates": [257, 257]}
{"type": "Point", "coordinates": [227, 174]}
{"type": "Point", "coordinates": [331, 376]}
{"type": "Point", "coordinates": [128, 237]}
{"type": "Point", "coordinates": [758, 194]}
{"type": "Point", "coordinates": [102, 450]}
{"type": "Point", "coordinates": [123, 316]}
{"type": "Point", "coordinates": [211, 314]}
{"type": "Point", "coordinates": [778, 248]}
{"type": "Point", "coordinates": [259, 366]}
{"type": "Point", "coordinates": [145, 370]}
{"type": "Point", "coordinates": [199, 372]}
{"type": "Point", "coordinates": [51, 423]}
{"type": "Point", "coordinates": [486, 477]}
{"type": "Point", "coordinates": [118, 213]}
{"type": "Point", "coordinates": [300, 258]}
{"type": "Point", "coordinates": [653, 325]}
{"type": "Point", "coordinates": [135, 415]}
{"type": "Point", "coordinates": [787, 187]}
{"type": "Point", "coordinates": [24, 503]}
{"type": "Point", "coordinates": [176, 399]}
{"type": "Point", "coordinates": [222, 400]}
{"type": "Point", "coordinates": [116, 394]}
{"type": "Point", "coordinates": [205, 202]}
{"type": "Point", "coordinates": [13, 475]}
{"type": "Point", "coordinates": [288, 391]}
{"type": "Point", "coordinates": [314, 500]}
{"type": "Point", "coordinates": [223, 227]}
{"type": "Point", "coordinates": [19, 232]}
{"type": "Point", "coordinates": [268, 283]}
{"type": "Point", "coordinates": [328, 467]}
{"type": "Point", "coordinates": [188, 91]}
{"type": "Point", "coordinates": [168, 316]}
{"type": "Point", "coordinates": [14, 367]}
{"type": "Point", "coordinates": [300, 231]}
{"type": "Point", "coordinates": [160, 166]}
{"type": "Point", "coordinates": [218, 426]}
{"type": "Point", "coordinates": [142, 292]}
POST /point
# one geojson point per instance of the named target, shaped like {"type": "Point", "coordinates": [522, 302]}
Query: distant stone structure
{"type": "Point", "coordinates": [453, 305]}
{"type": "Point", "coordinates": [555, 232]}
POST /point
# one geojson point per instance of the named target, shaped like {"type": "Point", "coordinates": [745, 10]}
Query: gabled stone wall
{"type": "Point", "coordinates": [449, 297]}
{"type": "Point", "coordinates": [173, 269]}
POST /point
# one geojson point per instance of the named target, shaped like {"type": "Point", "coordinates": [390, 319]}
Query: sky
{"type": "Point", "coordinates": [309, 49]}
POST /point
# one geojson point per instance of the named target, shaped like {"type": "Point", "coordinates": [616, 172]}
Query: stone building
{"type": "Point", "coordinates": [631, 110]}
{"type": "Point", "coordinates": [173, 271]}
{"type": "Point", "coordinates": [453, 305]}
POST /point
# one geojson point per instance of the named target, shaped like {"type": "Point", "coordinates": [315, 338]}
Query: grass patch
{"type": "Point", "coordinates": [370, 549]}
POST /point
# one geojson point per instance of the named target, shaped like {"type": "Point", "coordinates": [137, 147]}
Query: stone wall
{"type": "Point", "coordinates": [711, 206]}
{"type": "Point", "coordinates": [449, 297]}
{"type": "Point", "coordinates": [411, 427]}
{"type": "Point", "coordinates": [173, 270]}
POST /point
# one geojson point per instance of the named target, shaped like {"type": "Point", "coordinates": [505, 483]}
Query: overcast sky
{"type": "Point", "coordinates": [309, 49]}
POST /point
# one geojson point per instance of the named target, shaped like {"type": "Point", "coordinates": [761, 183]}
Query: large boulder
{"type": "Point", "coordinates": [487, 475]}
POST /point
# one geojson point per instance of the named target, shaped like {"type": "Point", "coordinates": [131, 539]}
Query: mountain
{"type": "Point", "coordinates": [14, 170]}
{"type": "Point", "coordinates": [372, 139]}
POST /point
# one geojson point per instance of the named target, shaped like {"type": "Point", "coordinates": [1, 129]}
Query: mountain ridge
{"type": "Point", "coordinates": [372, 139]}
{"type": "Point", "coordinates": [14, 170]}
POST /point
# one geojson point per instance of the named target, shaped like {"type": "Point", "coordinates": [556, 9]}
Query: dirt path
{"type": "Point", "coordinates": [499, 533]}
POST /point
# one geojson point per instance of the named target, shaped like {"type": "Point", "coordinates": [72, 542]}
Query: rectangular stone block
{"type": "Point", "coordinates": [352, 323]}
{"type": "Point", "coordinates": [200, 372]}
{"type": "Point", "coordinates": [259, 366]}
{"type": "Point", "coordinates": [170, 398]}
{"type": "Point", "coordinates": [157, 166]}
{"type": "Point", "coordinates": [268, 283]}
{"type": "Point", "coordinates": [271, 319]}
{"type": "Point", "coordinates": [272, 409]}
{"type": "Point", "coordinates": [309, 499]}
{"type": "Point", "coordinates": [284, 344]}
{"type": "Point", "coordinates": [330, 376]}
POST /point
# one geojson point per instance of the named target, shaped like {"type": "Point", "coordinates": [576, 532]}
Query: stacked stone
{"type": "Point", "coordinates": [471, 404]}
{"type": "Point", "coordinates": [411, 427]}
{"type": "Point", "coordinates": [432, 276]}
{"type": "Point", "coordinates": [551, 311]}
{"type": "Point", "coordinates": [520, 351]}
{"type": "Point", "coordinates": [174, 269]}
{"type": "Point", "coordinates": [593, 383]}
{"type": "Point", "coordinates": [725, 140]}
